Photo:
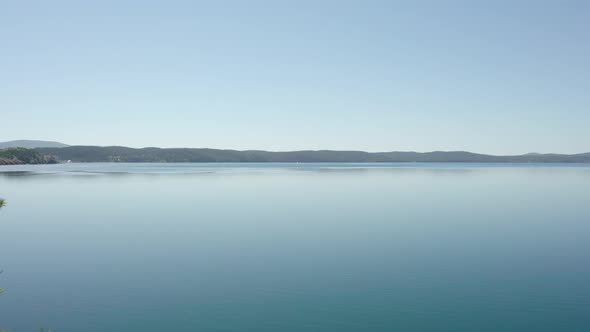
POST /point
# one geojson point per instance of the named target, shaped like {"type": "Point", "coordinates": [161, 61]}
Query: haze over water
{"type": "Point", "coordinates": [295, 247]}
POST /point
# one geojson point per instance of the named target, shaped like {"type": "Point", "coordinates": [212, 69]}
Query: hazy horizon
{"type": "Point", "coordinates": [498, 78]}
{"type": "Point", "coordinates": [342, 150]}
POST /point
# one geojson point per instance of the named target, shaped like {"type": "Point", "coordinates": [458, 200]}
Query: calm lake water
{"type": "Point", "coordinates": [295, 247]}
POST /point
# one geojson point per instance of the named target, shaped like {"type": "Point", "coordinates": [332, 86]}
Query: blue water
{"type": "Point", "coordinates": [295, 247]}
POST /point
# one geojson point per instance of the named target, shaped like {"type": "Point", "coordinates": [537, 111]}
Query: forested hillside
{"type": "Point", "coordinates": [17, 156]}
{"type": "Point", "coordinates": [124, 154]}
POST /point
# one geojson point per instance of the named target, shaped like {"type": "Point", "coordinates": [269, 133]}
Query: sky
{"type": "Point", "coordinates": [499, 77]}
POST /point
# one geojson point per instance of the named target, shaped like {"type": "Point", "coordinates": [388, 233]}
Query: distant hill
{"type": "Point", "coordinates": [30, 144]}
{"type": "Point", "coordinates": [124, 154]}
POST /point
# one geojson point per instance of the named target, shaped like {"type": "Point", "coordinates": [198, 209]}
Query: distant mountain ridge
{"type": "Point", "coordinates": [125, 154]}
{"type": "Point", "coordinates": [31, 144]}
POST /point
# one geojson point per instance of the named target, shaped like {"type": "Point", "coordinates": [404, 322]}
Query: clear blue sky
{"type": "Point", "coordinates": [486, 76]}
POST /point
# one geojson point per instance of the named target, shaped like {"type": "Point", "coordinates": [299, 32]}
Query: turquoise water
{"type": "Point", "coordinates": [295, 247]}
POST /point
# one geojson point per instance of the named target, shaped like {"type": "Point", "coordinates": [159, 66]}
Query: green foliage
{"type": "Point", "coordinates": [16, 156]}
